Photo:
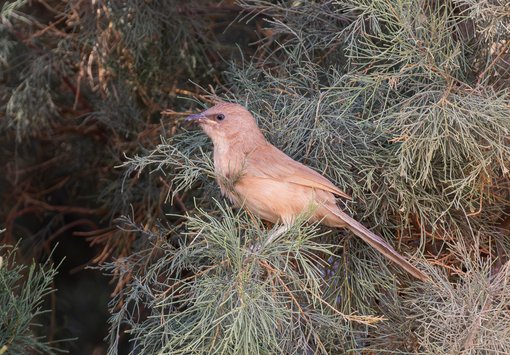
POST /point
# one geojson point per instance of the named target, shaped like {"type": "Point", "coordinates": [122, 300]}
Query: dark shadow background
{"type": "Point", "coordinates": [81, 85]}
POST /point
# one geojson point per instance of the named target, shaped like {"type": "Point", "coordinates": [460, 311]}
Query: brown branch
{"type": "Point", "coordinates": [62, 209]}
{"type": "Point", "coordinates": [68, 226]}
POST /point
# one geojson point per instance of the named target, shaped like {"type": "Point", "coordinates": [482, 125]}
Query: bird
{"type": "Point", "coordinates": [255, 175]}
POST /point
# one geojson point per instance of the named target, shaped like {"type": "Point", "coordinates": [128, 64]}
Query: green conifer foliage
{"type": "Point", "coordinates": [22, 294]}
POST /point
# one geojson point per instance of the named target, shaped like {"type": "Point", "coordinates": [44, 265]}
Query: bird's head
{"type": "Point", "coordinates": [228, 122]}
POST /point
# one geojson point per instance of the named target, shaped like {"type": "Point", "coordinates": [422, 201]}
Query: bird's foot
{"type": "Point", "coordinates": [257, 247]}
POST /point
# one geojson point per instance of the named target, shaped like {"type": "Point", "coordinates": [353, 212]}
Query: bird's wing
{"type": "Point", "coordinates": [267, 161]}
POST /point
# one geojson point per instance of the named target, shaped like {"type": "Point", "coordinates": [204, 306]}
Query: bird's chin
{"type": "Point", "coordinates": [208, 127]}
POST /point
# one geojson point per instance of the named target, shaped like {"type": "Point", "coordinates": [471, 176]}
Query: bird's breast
{"type": "Point", "coordinates": [228, 171]}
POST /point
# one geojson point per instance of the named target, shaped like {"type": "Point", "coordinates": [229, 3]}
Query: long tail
{"type": "Point", "coordinates": [378, 243]}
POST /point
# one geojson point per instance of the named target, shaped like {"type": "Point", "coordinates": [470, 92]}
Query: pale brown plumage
{"type": "Point", "coordinates": [256, 175]}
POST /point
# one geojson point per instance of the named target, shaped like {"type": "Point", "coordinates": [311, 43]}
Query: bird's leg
{"type": "Point", "coordinates": [276, 233]}
{"type": "Point", "coordinates": [272, 236]}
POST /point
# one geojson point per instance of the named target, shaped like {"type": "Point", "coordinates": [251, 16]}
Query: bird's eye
{"type": "Point", "coordinates": [220, 117]}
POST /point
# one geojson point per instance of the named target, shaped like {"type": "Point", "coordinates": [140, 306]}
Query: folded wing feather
{"type": "Point", "coordinates": [273, 163]}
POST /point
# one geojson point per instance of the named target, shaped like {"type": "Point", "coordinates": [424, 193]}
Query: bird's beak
{"type": "Point", "coordinates": [197, 117]}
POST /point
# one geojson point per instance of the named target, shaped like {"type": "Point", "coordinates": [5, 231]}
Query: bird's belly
{"type": "Point", "coordinates": [280, 201]}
